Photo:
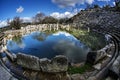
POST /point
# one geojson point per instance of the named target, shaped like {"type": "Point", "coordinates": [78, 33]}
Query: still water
{"type": "Point", "coordinates": [43, 45]}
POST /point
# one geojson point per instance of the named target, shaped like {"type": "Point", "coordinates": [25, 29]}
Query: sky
{"type": "Point", "coordinates": [26, 9]}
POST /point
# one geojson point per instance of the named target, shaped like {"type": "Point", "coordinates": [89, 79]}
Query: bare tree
{"type": "Point", "coordinates": [16, 23]}
{"type": "Point", "coordinates": [39, 17]}
{"type": "Point", "coordinates": [8, 21]}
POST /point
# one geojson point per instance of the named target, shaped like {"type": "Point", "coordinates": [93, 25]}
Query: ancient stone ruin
{"type": "Point", "coordinates": [57, 64]}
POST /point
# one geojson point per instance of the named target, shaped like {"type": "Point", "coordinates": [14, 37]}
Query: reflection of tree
{"type": "Point", "coordinates": [93, 40]}
{"type": "Point", "coordinates": [11, 44]}
{"type": "Point", "coordinates": [17, 39]}
{"type": "Point", "coordinates": [39, 36]}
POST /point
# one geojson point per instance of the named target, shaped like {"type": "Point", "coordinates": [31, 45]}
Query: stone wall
{"type": "Point", "coordinates": [44, 69]}
{"type": "Point", "coordinates": [43, 27]}
{"type": "Point", "coordinates": [40, 27]}
{"type": "Point", "coordinates": [57, 64]}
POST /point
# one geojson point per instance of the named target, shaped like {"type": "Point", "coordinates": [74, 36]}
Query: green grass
{"type": "Point", "coordinates": [81, 70]}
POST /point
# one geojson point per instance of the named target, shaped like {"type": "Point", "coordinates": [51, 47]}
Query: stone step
{"type": "Point", "coordinates": [4, 74]}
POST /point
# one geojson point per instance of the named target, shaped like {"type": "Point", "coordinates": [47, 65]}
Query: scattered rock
{"type": "Point", "coordinates": [78, 64]}
{"type": "Point", "coordinates": [91, 78]}
{"type": "Point", "coordinates": [97, 66]}
{"type": "Point", "coordinates": [108, 78]}
{"type": "Point", "coordinates": [54, 76]}
{"type": "Point", "coordinates": [77, 77]}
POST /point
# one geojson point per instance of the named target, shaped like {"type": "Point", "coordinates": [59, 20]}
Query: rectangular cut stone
{"type": "Point", "coordinates": [28, 61]}
{"type": "Point", "coordinates": [57, 64]}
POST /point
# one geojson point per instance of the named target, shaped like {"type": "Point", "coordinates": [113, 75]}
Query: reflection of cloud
{"type": "Point", "coordinates": [58, 33]}
{"type": "Point", "coordinates": [22, 45]}
{"type": "Point", "coordinates": [64, 33]}
{"type": "Point", "coordinates": [73, 52]}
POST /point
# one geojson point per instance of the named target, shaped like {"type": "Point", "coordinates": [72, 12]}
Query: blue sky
{"type": "Point", "coordinates": [26, 9]}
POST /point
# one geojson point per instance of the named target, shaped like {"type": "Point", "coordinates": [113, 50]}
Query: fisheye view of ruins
{"type": "Point", "coordinates": [60, 40]}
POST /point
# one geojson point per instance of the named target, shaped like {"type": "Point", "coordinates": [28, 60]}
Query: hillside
{"type": "Point", "coordinates": [96, 17]}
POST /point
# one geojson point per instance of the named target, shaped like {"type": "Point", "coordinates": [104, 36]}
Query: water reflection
{"type": "Point", "coordinates": [43, 45]}
{"type": "Point", "coordinates": [39, 36]}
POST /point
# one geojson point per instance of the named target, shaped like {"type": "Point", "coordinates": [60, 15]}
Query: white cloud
{"type": "Point", "coordinates": [20, 9]}
{"type": "Point", "coordinates": [114, 3]}
{"type": "Point", "coordinates": [65, 14]}
{"type": "Point", "coordinates": [104, 0]}
{"type": "Point", "coordinates": [75, 11]}
{"type": "Point", "coordinates": [61, 15]}
{"type": "Point", "coordinates": [89, 1]}
{"type": "Point", "coordinates": [38, 12]}
{"type": "Point", "coordinates": [27, 19]}
{"type": "Point", "coordinates": [3, 24]}
{"type": "Point", "coordinates": [71, 3]}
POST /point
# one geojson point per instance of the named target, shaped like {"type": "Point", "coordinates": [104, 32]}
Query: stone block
{"type": "Point", "coordinates": [28, 61]}
{"type": "Point", "coordinates": [57, 64]}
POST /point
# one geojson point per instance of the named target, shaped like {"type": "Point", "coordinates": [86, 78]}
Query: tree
{"type": "Point", "coordinates": [96, 6]}
{"type": "Point", "coordinates": [16, 23]}
{"type": "Point", "coordinates": [39, 17]}
{"type": "Point", "coordinates": [117, 3]}
{"type": "Point", "coordinates": [49, 19]}
{"type": "Point", "coordinates": [8, 21]}
{"type": "Point", "coordinates": [106, 7]}
{"type": "Point", "coordinates": [63, 20]}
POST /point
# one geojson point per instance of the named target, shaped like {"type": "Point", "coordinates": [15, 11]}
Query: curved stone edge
{"type": "Point", "coordinates": [4, 74]}
{"type": "Point", "coordinates": [105, 70]}
{"type": "Point", "coordinates": [116, 66]}
{"type": "Point", "coordinates": [4, 71]}
{"type": "Point", "coordinates": [57, 64]}
{"type": "Point", "coordinates": [94, 56]}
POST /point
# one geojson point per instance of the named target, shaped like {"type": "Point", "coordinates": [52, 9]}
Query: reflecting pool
{"type": "Point", "coordinates": [43, 45]}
